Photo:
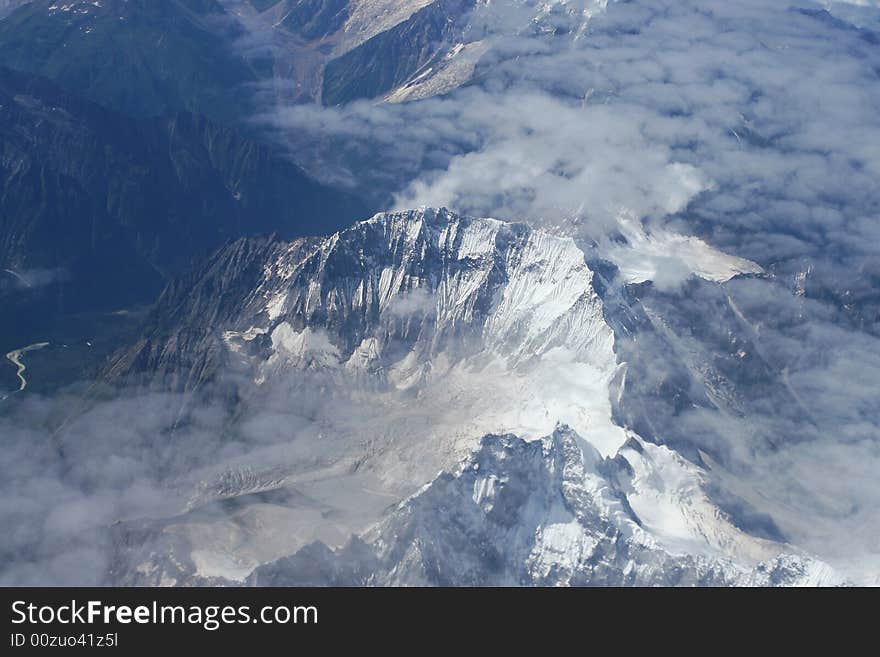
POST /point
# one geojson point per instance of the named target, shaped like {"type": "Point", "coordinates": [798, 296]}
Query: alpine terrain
{"type": "Point", "coordinates": [409, 344]}
{"type": "Point", "coordinates": [439, 293]}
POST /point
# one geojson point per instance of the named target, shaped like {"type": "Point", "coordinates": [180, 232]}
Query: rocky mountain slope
{"type": "Point", "coordinates": [116, 206]}
{"type": "Point", "coordinates": [228, 59]}
{"type": "Point", "coordinates": [609, 400]}
{"type": "Point", "coordinates": [402, 299]}
{"type": "Point", "coordinates": [392, 59]}
{"type": "Point", "coordinates": [139, 57]}
{"type": "Point", "coordinates": [550, 512]}
{"type": "Point", "coordinates": [395, 344]}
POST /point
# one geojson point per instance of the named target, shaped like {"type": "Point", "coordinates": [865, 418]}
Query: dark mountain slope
{"type": "Point", "coordinates": [177, 349]}
{"type": "Point", "coordinates": [391, 58]}
{"type": "Point", "coordinates": [142, 57]}
{"type": "Point", "coordinates": [118, 205]}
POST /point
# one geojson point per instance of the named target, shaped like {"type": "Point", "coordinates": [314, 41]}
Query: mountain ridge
{"type": "Point", "coordinates": [517, 513]}
{"type": "Point", "coordinates": [404, 338]}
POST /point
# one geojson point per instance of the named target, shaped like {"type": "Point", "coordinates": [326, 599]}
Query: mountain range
{"type": "Point", "coordinates": [175, 55]}
{"type": "Point", "coordinates": [423, 331]}
{"type": "Point", "coordinates": [438, 293]}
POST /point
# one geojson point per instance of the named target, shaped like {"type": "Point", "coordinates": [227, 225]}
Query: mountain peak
{"type": "Point", "coordinates": [519, 512]}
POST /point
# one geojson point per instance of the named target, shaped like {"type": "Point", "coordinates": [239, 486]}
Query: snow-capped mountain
{"type": "Point", "coordinates": [396, 344]}
{"type": "Point", "coordinates": [665, 374]}
{"type": "Point", "coordinates": [549, 512]}
{"type": "Point", "coordinates": [417, 300]}
{"type": "Point", "coordinates": [458, 326]}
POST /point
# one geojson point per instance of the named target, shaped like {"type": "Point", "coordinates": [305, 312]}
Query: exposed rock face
{"type": "Point", "coordinates": [391, 59]}
{"type": "Point", "coordinates": [423, 303]}
{"type": "Point", "coordinates": [386, 296]}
